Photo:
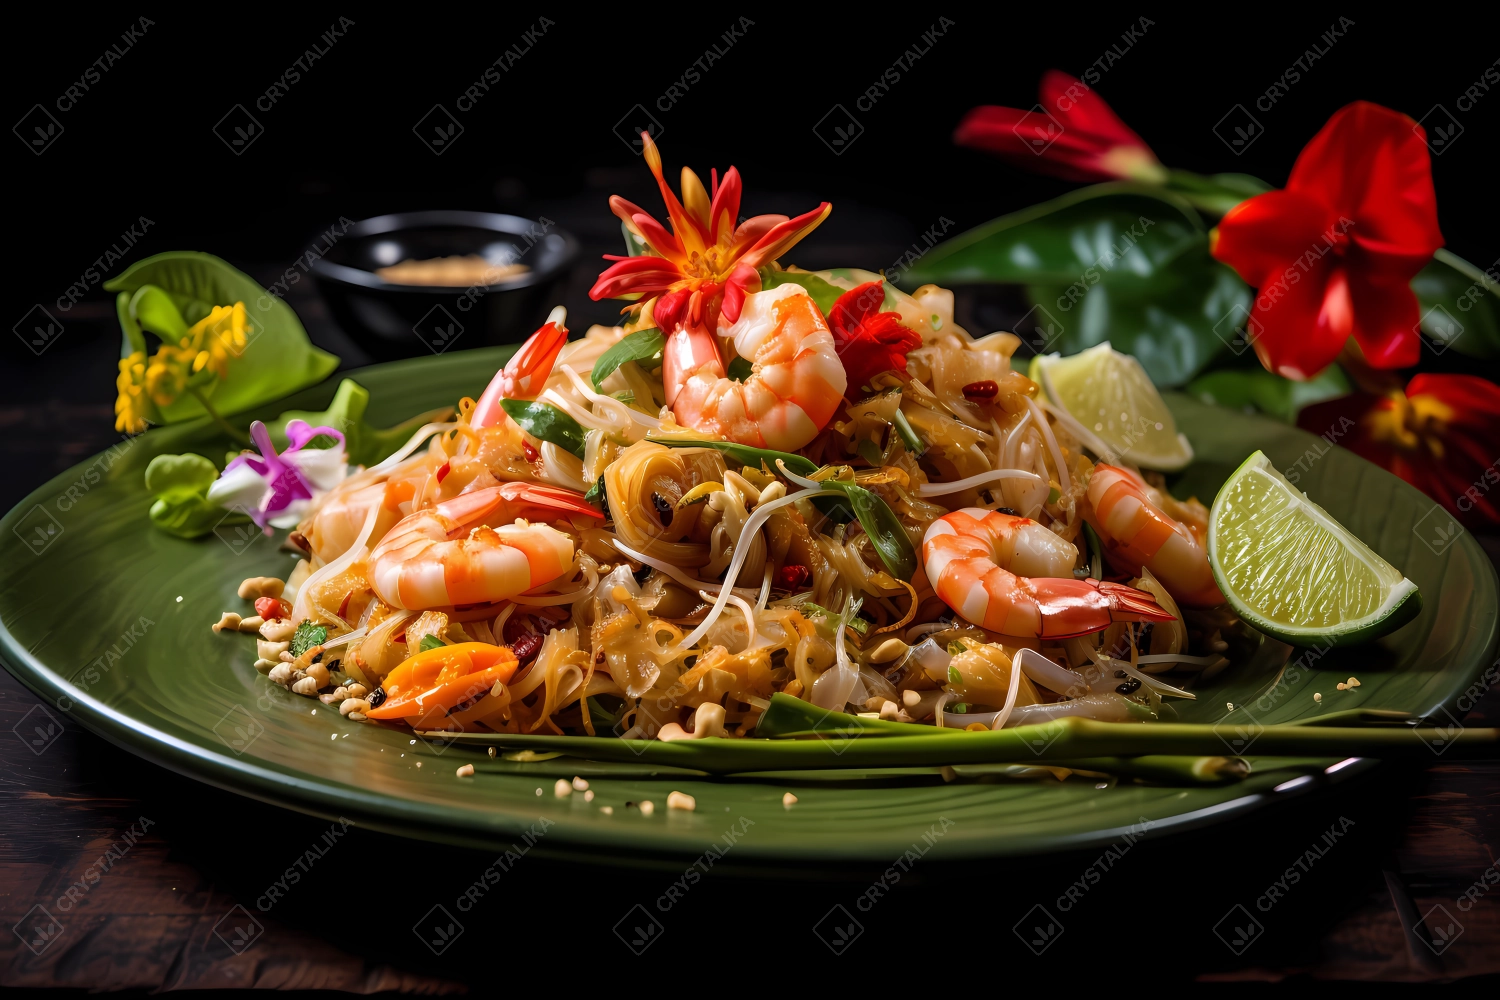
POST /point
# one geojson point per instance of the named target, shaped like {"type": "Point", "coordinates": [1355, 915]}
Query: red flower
{"type": "Point", "coordinates": [707, 264]}
{"type": "Point", "coordinates": [1334, 253]}
{"type": "Point", "coordinates": [1072, 134]}
{"type": "Point", "coordinates": [869, 342]}
{"type": "Point", "coordinates": [1442, 435]}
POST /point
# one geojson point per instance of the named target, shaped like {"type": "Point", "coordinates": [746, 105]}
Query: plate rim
{"type": "Point", "coordinates": [309, 794]}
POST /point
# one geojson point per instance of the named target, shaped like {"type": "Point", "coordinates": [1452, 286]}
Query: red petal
{"type": "Point", "coordinates": [644, 275]}
{"type": "Point", "coordinates": [1370, 164]}
{"type": "Point", "coordinates": [1031, 140]}
{"type": "Point", "coordinates": [855, 306]}
{"type": "Point", "coordinates": [869, 342]}
{"type": "Point", "coordinates": [1385, 320]}
{"type": "Point", "coordinates": [742, 280]}
{"type": "Point", "coordinates": [1081, 109]}
{"type": "Point", "coordinates": [1290, 324]}
{"type": "Point", "coordinates": [670, 310]}
{"type": "Point", "coordinates": [1475, 400]}
{"type": "Point", "coordinates": [1265, 236]}
{"type": "Point", "coordinates": [725, 210]}
{"type": "Point", "coordinates": [785, 235]}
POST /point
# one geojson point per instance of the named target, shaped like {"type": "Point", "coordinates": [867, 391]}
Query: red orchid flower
{"type": "Point", "coordinates": [1442, 435]}
{"type": "Point", "coordinates": [706, 265]}
{"type": "Point", "coordinates": [869, 342]}
{"type": "Point", "coordinates": [1072, 134]}
{"type": "Point", "coordinates": [1333, 254]}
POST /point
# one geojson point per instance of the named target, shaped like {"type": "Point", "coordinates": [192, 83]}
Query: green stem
{"type": "Point", "coordinates": [213, 414]}
{"type": "Point", "coordinates": [1065, 739]}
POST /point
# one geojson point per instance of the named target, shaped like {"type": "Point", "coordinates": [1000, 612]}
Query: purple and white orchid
{"type": "Point", "coordinates": [276, 489]}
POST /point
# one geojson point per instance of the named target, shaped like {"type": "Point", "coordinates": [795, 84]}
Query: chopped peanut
{"type": "Point", "coordinates": [261, 586]}
{"type": "Point", "coordinates": [278, 630]}
{"type": "Point", "coordinates": [229, 620]}
{"type": "Point", "coordinates": [467, 771]}
{"type": "Point", "coordinates": [681, 800]}
{"type": "Point", "coordinates": [251, 624]}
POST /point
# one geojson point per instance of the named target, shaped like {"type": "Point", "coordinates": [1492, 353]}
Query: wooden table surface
{"type": "Point", "coordinates": [145, 875]}
{"type": "Point", "coordinates": [159, 912]}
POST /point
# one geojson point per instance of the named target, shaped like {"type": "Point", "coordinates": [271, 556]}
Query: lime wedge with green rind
{"type": "Point", "coordinates": [1116, 409]}
{"type": "Point", "coordinates": [1293, 572]}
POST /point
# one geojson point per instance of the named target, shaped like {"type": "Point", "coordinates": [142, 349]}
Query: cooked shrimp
{"type": "Point", "coordinates": [795, 384]}
{"type": "Point", "coordinates": [1013, 576]}
{"type": "Point", "coordinates": [466, 551]}
{"type": "Point", "coordinates": [526, 374]}
{"type": "Point", "coordinates": [340, 516]}
{"type": "Point", "coordinates": [1137, 531]}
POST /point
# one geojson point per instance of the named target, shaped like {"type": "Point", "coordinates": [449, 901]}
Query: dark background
{"type": "Point", "coordinates": [340, 143]}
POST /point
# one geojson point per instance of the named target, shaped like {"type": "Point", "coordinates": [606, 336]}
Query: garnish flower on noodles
{"type": "Point", "coordinates": [869, 342]}
{"type": "Point", "coordinates": [706, 265]}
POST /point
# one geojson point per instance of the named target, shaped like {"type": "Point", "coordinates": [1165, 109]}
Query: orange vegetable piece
{"type": "Point", "coordinates": [444, 677]}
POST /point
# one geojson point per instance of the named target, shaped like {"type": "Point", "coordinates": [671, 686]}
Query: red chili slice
{"type": "Point", "coordinates": [530, 452]}
{"type": "Point", "coordinates": [982, 391]}
{"type": "Point", "coordinates": [443, 470]}
{"type": "Point", "coordinates": [793, 575]}
{"type": "Point", "coordinates": [271, 608]}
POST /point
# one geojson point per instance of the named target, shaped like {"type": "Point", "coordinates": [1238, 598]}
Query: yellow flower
{"type": "Point", "coordinates": [132, 407]}
{"type": "Point", "coordinates": [162, 379]}
{"type": "Point", "coordinates": [217, 336]}
{"type": "Point", "coordinates": [167, 374]}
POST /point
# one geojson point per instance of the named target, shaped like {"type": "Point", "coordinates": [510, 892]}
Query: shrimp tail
{"type": "Point", "coordinates": [513, 500]}
{"type": "Point", "coordinates": [1127, 604]}
{"type": "Point", "coordinates": [1069, 608]}
{"type": "Point", "coordinates": [524, 376]}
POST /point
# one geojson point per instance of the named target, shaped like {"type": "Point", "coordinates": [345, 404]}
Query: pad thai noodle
{"type": "Point", "coordinates": [764, 480]}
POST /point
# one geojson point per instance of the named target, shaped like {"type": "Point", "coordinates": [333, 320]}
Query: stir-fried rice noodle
{"type": "Point", "coordinates": [713, 579]}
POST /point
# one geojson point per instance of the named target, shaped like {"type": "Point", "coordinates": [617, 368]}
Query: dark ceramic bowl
{"type": "Point", "coordinates": [398, 321]}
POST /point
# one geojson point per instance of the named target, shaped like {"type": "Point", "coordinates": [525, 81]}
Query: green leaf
{"type": "Point", "coordinates": [307, 636]}
{"type": "Point", "coordinates": [870, 453]}
{"type": "Point", "coordinates": [430, 642]}
{"type": "Point", "coordinates": [740, 369]}
{"type": "Point", "coordinates": [1251, 389]}
{"type": "Point", "coordinates": [180, 474]}
{"type": "Point", "coordinates": [598, 496]}
{"type": "Point", "coordinates": [1216, 194]}
{"type": "Point", "coordinates": [643, 345]}
{"type": "Point", "coordinates": [857, 624]}
{"type": "Point", "coordinates": [180, 483]}
{"type": "Point", "coordinates": [884, 528]}
{"type": "Point", "coordinates": [1460, 306]}
{"type": "Point", "coordinates": [278, 360]}
{"type": "Point", "coordinates": [1171, 322]}
{"type": "Point", "coordinates": [823, 293]}
{"type": "Point", "coordinates": [365, 445]}
{"type": "Point", "coordinates": [604, 720]}
{"type": "Point", "coordinates": [546, 423]}
{"type": "Point", "coordinates": [1095, 567]}
{"type": "Point", "coordinates": [747, 455]}
{"type": "Point", "coordinates": [189, 515]}
{"type": "Point", "coordinates": [633, 246]}
{"type": "Point", "coordinates": [153, 310]}
{"type": "Point", "coordinates": [1115, 262]}
{"type": "Point", "coordinates": [1101, 227]}
{"type": "Point", "coordinates": [909, 434]}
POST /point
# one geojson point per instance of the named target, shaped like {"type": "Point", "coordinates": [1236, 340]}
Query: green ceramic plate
{"type": "Point", "coordinates": [107, 620]}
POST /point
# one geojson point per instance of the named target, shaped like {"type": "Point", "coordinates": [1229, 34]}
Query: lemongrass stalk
{"type": "Point", "coordinates": [1065, 739]}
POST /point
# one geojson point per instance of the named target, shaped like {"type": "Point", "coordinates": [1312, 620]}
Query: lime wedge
{"type": "Point", "coordinates": [1111, 399]}
{"type": "Point", "coordinates": [1295, 573]}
